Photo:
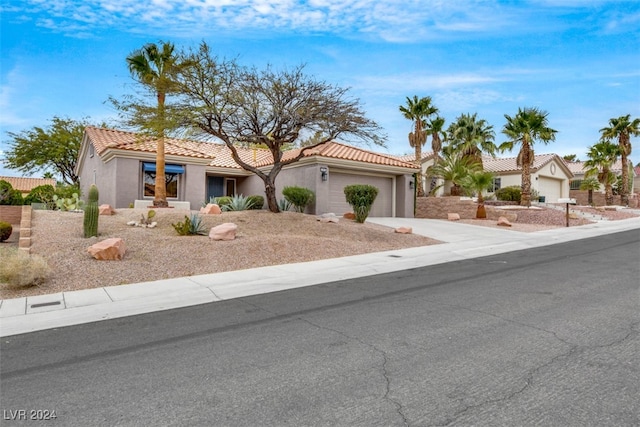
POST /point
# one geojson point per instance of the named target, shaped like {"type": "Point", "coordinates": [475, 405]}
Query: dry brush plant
{"type": "Point", "coordinates": [20, 269]}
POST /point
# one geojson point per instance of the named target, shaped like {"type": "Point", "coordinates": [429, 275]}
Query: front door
{"type": "Point", "coordinates": [215, 187]}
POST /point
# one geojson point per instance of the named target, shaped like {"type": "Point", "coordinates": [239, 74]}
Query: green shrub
{"type": "Point", "coordinates": [5, 231]}
{"type": "Point", "coordinates": [509, 194]}
{"type": "Point", "coordinates": [67, 191]}
{"type": "Point", "coordinates": [221, 201]}
{"type": "Point", "coordinates": [9, 196]}
{"type": "Point", "coordinates": [299, 197]}
{"type": "Point", "coordinates": [19, 269]}
{"type": "Point", "coordinates": [361, 198]}
{"type": "Point", "coordinates": [257, 202]}
{"type": "Point", "coordinates": [42, 194]}
{"type": "Point", "coordinates": [237, 203]}
{"type": "Point", "coordinates": [191, 226]}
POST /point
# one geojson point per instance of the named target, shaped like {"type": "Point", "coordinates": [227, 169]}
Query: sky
{"type": "Point", "coordinates": [578, 60]}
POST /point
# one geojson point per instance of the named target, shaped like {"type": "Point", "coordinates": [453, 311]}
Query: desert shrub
{"type": "Point", "coordinates": [221, 201]}
{"type": "Point", "coordinates": [256, 202]}
{"type": "Point", "coordinates": [284, 205]}
{"type": "Point", "coordinates": [237, 203]}
{"type": "Point", "coordinates": [42, 194]}
{"type": "Point", "coordinates": [5, 231]}
{"type": "Point", "coordinates": [361, 198]}
{"type": "Point", "coordinates": [509, 194]}
{"type": "Point", "coordinates": [8, 195]}
{"type": "Point", "coordinates": [19, 269]}
{"type": "Point", "coordinates": [67, 191]}
{"type": "Point", "coordinates": [191, 226]}
{"type": "Point", "coordinates": [299, 197]}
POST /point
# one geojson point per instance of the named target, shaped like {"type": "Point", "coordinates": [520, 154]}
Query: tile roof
{"type": "Point", "coordinates": [409, 158]}
{"type": "Point", "coordinates": [25, 185]}
{"type": "Point", "coordinates": [220, 154]}
{"type": "Point", "coordinates": [509, 164]}
{"type": "Point", "coordinates": [577, 168]}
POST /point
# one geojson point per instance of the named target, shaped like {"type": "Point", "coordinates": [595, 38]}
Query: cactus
{"type": "Point", "coordinates": [91, 213]}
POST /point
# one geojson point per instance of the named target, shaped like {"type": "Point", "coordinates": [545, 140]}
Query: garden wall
{"type": "Point", "coordinates": [440, 207]}
{"type": "Point", "coordinates": [11, 214]}
{"type": "Point", "coordinates": [582, 198]}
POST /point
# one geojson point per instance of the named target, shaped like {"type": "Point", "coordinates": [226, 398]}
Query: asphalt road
{"type": "Point", "coordinates": [547, 336]}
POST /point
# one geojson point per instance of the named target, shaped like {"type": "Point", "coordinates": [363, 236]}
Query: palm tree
{"type": "Point", "coordinates": [154, 66]}
{"type": "Point", "coordinates": [525, 128]}
{"type": "Point", "coordinates": [453, 168]}
{"type": "Point", "coordinates": [435, 127]}
{"type": "Point", "coordinates": [622, 128]}
{"type": "Point", "coordinates": [418, 111]}
{"type": "Point", "coordinates": [590, 184]}
{"type": "Point", "coordinates": [602, 156]}
{"type": "Point", "coordinates": [479, 181]}
{"type": "Point", "coordinates": [472, 137]}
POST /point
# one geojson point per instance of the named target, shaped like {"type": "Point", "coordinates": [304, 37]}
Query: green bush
{"type": "Point", "coordinates": [299, 197]}
{"type": "Point", "coordinates": [257, 202]}
{"type": "Point", "coordinates": [361, 198]}
{"type": "Point", "coordinates": [509, 194]}
{"type": "Point", "coordinates": [5, 231]}
{"type": "Point", "coordinates": [221, 201]}
{"type": "Point", "coordinates": [190, 226]}
{"type": "Point", "coordinates": [9, 196]}
{"type": "Point", "coordinates": [42, 194]}
{"type": "Point", "coordinates": [19, 269]}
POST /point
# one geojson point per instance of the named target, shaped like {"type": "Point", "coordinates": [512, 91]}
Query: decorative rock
{"type": "Point", "coordinates": [109, 249]}
{"type": "Point", "coordinates": [349, 215]}
{"type": "Point", "coordinates": [573, 215]}
{"type": "Point", "coordinates": [504, 222]}
{"type": "Point", "coordinates": [211, 209]}
{"type": "Point", "coordinates": [404, 230]}
{"type": "Point", "coordinates": [328, 217]}
{"type": "Point", "coordinates": [453, 217]}
{"type": "Point", "coordinates": [106, 210]}
{"type": "Point", "coordinates": [226, 231]}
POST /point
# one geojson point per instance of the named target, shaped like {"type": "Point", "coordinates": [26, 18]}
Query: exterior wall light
{"type": "Point", "coordinates": [324, 173]}
{"type": "Point", "coordinates": [411, 185]}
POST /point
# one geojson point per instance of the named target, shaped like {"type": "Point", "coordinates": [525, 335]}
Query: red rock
{"type": "Point", "coordinates": [404, 230]}
{"type": "Point", "coordinates": [109, 249]}
{"type": "Point", "coordinates": [211, 209]}
{"type": "Point", "coordinates": [453, 217]}
{"type": "Point", "coordinates": [502, 221]}
{"type": "Point", "coordinates": [226, 231]}
{"type": "Point", "coordinates": [106, 210]}
{"type": "Point", "coordinates": [349, 215]}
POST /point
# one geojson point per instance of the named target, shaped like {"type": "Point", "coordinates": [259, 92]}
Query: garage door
{"type": "Point", "coordinates": [337, 203]}
{"type": "Point", "coordinates": [550, 188]}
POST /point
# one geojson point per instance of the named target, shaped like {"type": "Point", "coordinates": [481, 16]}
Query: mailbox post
{"type": "Point", "coordinates": [567, 202]}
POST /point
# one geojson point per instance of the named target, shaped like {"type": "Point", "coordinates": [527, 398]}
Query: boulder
{"type": "Point", "coordinates": [453, 217]}
{"type": "Point", "coordinates": [109, 249]}
{"type": "Point", "coordinates": [404, 230]}
{"type": "Point", "coordinates": [328, 217]}
{"type": "Point", "coordinates": [106, 210]}
{"type": "Point", "coordinates": [504, 222]}
{"type": "Point", "coordinates": [349, 215]}
{"type": "Point", "coordinates": [211, 209]}
{"type": "Point", "coordinates": [226, 231]}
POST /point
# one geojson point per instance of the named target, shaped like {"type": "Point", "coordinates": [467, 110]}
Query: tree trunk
{"type": "Point", "coordinates": [419, 185]}
{"type": "Point", "coordinates": [160, 193]}
{"type": "Point", "coordinates": [481, 212]}
{"type": "Point", "coordinates": [590, 200]}
{"type": "Point", "coordinates": [608, 194]}
{"type": "Point", "coordinates": [624, 191]}
{"type": "Point", "coordinates": [270, 192]}
{"type": "Point", "coordinates": [525, 199]}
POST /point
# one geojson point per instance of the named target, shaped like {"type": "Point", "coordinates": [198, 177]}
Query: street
{"type": "Point", "coordinates": [546, 336]}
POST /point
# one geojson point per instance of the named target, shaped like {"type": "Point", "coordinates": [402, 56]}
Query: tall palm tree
{"type": "Point", "coordinates": [602, 156]}
{"type": "Point", "coordinates": [472, 136]}
{"type": "Point", "coordinates": [435, 128]}
{"type": "Point", "coordinates": [623, 128]}
{"type": "Point", "coordinates": [154, 67]}
{"type": "Point", "coordinates": [525, 128]}
{"type": "Point", "coordinates": [418, 110]}
{"type": "Point", "coordinates": [478, 182]}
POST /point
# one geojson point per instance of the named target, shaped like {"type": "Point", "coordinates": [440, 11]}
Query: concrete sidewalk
{"type": "Point", "coordinates": [461, 241]}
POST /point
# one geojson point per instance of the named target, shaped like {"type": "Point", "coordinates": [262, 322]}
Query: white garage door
{"type": "Point", "coordinates": [337, 203]}
{"type": "Point", "coordinates": [550, 188]}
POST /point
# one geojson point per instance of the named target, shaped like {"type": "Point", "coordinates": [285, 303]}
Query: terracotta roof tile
{"type": "Point", "coordinates": [577, 168]}
{"type": "Point", "coordinates": [337, 150]}
{"type": "Point", "coordinates": [509, 164]}
{"type": "Point", "coordinates": [24, 185]}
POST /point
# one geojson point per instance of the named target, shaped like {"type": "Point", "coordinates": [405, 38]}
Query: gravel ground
{"type": "Point", "coordinates": [263, 239]}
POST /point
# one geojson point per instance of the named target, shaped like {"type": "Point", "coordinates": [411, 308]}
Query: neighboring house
{"type": "Point", "coordinates": [25, 185]}
{"type": "Point", "coordinates": [578, 170]}
{"type": "Point", "coordinates": [428, 159]}
{"type": "Point", "coordinates": [550, 175]}
{"type": "Point", "coordinates": [122, 165]}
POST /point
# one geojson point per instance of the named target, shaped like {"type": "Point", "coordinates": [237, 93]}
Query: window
{"type": "Point", "coordinates": [495, 186]}
{"type": "Point", "coordinates": [575, 184]}
{"type": "Point", "coordinates": [92, 150]}
{"type": "Point", "coordinates": [172, 176]}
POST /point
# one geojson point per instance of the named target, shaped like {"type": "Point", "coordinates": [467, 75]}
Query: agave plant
{"type": "Point", "coordinates": [238, 203]}
{"type": "Point", "coordinates": [284, 205]}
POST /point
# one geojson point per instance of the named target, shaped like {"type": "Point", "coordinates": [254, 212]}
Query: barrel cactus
{"type": "Point", "coordinates": [91, 213]}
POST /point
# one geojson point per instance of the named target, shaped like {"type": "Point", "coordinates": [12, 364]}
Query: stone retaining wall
{"type": "Point", "coordinates": [582, 198]}
{"type": "Point", "coordinates": [440, 207]}
{"type": "Point", "coordinates": [11, 214]}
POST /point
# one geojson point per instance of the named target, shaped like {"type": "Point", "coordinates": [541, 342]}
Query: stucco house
{"type": "Point", "coordinates": [122, 165]}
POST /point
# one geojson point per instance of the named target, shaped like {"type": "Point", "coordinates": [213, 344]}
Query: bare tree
{"type": "Point", "coordinates": [234, 104]}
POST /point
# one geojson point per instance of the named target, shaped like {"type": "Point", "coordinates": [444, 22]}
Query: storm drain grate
{"type": "Point", "coordinates": [45, 304]}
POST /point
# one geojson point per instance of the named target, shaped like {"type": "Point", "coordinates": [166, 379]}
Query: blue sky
{"type": "Point", "coordinates": [579, 60]}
